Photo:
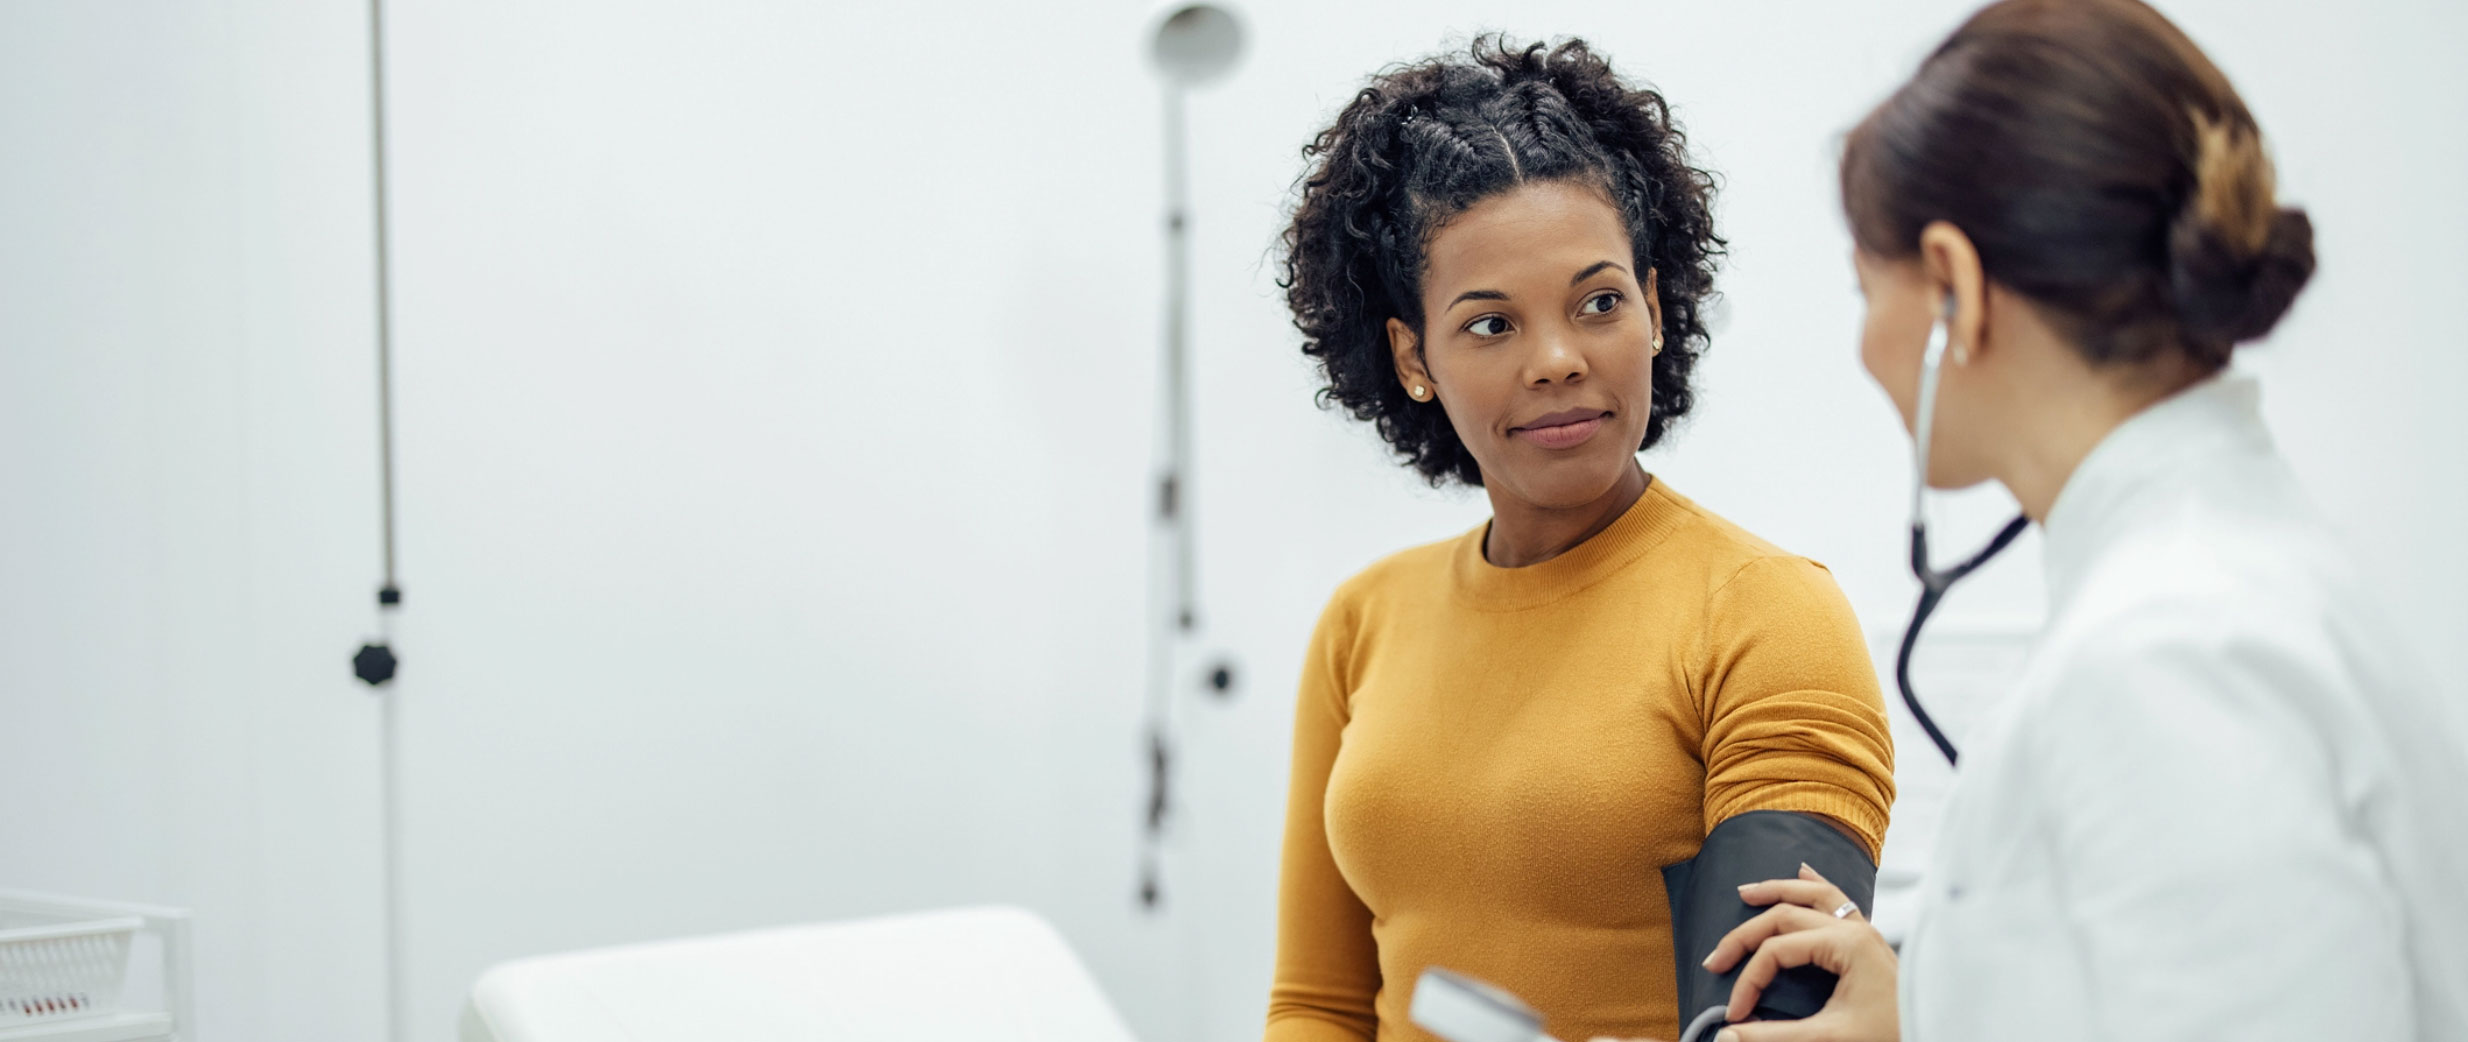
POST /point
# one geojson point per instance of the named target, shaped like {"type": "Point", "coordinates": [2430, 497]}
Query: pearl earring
{"type": "Point", "coordinates": [1419, 393]}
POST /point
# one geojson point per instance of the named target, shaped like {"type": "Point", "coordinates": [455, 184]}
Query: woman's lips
{"type": "Point", "coordinates": [1561, 431]}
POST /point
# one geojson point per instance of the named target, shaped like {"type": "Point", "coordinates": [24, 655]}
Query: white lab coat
{"type": "Point", "coordinates": [2222, 802]}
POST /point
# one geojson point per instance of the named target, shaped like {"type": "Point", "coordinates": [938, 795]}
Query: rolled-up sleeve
{"type": "Point", "coordinates": [1792, 716]}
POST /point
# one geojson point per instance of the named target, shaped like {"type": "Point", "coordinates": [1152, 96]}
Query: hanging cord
{"type": "Point", "coordinates": [1194, 43]}
{"type": "Point", "coordinates": [1173, 516]}
{"type": "Point", "coordinates": [375, 663]}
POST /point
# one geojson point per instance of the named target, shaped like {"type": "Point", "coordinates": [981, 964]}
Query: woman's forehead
{"type": "Point", "coordinates": [1533, 232]}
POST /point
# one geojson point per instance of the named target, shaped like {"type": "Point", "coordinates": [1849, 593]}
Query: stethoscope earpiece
{"type": "Point", "coordinates": [1935, 582]}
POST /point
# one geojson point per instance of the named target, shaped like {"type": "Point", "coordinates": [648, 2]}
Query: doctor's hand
{"type": "Point", "coordinates": [1810, 923]}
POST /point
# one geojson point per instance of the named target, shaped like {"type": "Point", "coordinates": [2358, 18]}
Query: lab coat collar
{"type": "Point", "coordinates": [2170, 443]}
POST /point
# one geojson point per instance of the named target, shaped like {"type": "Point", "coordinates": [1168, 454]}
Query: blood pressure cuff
{"type": "Point", "coordinates": [1705, 903]}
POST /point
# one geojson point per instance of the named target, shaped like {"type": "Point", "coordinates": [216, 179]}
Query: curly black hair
{"type": "Point", "coordinates": [1421, 144]}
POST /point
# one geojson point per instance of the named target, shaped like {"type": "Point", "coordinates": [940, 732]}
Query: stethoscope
{"type": "Point", "coordinates": [1934, 582]}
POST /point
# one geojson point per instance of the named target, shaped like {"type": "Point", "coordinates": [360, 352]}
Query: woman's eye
{"type": "Point", "coordinates": [1488, 325]}
{"type": "Point", "coordinates": [1600, 303]}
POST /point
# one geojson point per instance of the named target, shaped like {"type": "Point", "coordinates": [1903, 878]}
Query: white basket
{"type": "Point", "coordinates": [53, 970]}
{"type": "Point", "coordinates": [64, 962]}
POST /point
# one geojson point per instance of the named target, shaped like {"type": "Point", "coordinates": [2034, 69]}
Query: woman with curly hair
{"type": "Point", "coordinates": [1500, 259]}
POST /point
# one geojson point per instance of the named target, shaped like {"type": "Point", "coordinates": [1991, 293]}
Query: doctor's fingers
{"type": "Point", "coordinates": [1773, 922]}
{"type": "Point", "coordinates": [1816, 894]}
{"type": "Point", "coordinates": [1839, 948]}
{"type": "Point", "coordinates": [1823, 1027]}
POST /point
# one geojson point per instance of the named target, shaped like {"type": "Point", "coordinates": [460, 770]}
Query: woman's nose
{"type": "Point", "coordinates": [1555, 359]}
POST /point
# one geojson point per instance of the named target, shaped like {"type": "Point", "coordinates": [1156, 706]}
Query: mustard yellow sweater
{"type": "Point", "coordinates": [1492, 765]}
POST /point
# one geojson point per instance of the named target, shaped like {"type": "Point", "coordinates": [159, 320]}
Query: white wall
{"type": "Point", "coordinates": [187, 502]}
{"type": "Point", "coordinates": [775, 388]}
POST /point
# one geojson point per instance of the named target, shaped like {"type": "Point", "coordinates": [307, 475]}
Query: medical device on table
{"type": "Point", "coordinates": [1461, 1009]}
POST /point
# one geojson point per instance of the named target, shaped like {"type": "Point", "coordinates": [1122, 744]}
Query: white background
{"type": "Point", "coordinates": [775, 394]}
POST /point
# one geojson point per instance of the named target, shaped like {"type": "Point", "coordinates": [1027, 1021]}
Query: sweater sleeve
{"type": "Point", "coordinates": [1793, 719]}
{"type": "Point", "coordinates": [1328, 967]}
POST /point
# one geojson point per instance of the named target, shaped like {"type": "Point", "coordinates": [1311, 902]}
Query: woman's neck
{"type": "Point", "coordinates": [1525, 534]}
{"type": "Point", "coordinates": [2057, 435]}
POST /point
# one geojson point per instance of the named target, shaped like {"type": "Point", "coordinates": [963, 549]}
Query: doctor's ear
{"type": "Point", "coordinates": [1952, 266]}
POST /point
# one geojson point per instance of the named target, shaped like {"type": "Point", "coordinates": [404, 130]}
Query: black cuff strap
{"type": "Point", "coordinates": [1705, 903]}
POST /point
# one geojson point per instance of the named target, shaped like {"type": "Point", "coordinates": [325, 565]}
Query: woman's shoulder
{"type": "Point", "coordinates": [1725, 556]}
{"type": "Point", "coordinates": [1404, 572]}
{"type": "Point", "coordinates": [1415, 575]}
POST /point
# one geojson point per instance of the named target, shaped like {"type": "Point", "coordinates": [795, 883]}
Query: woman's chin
{"type": "Point", "coordinates": [1570, 484]}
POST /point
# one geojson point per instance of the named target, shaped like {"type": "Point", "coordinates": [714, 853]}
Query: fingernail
{"type": "Point", "coordinates": [1804, 867]}
{"type": "Point", "coordinates": [1709, 960]}
{"type": "Point", "coordinates": [1746, 887]}
{"type": "Point", "coordinates": [1727, 1035]}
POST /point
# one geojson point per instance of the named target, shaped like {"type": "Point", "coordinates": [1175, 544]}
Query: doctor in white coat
{"type": "Point", "coordinates": [2222, 804]}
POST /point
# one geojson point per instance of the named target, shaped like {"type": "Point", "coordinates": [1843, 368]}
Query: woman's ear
{"type": "Point", "coordinates": [1406, 349]}
{"type": "Point", "coordinates": [1653, 306]}
{"type": "Point", "coordinates": [1952, 265]}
